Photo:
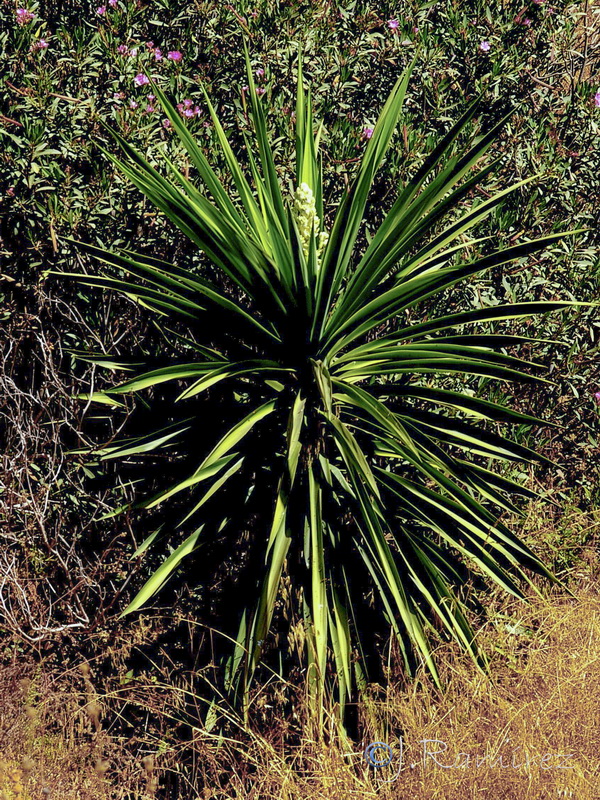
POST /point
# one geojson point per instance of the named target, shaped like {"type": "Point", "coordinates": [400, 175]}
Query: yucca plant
{"type": "Point", "coordinates": [343, 422]}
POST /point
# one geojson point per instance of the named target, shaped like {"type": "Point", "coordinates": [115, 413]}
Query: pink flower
{"type": "Point", "coordinates": [415, 29]}
{"type": "Point", "coordinates": [10, 191]}
{"type": "Point", "coordinates": [133, 104]}
{"type": "Point", "coordinates": [597, 99]}
{"type": "Point", "coordinates": [122, 49]}
{"type": "Point", "coordinates": [245, 88]}
{"type": "Point", "coordinates": [367, 133]}
{"type": "Point", "coordinates": [597, 396]}
{"type": "Point", "coordinates": [150, 45]}
{"type": "Point", "coordinates": [174, 55]}
{"type": "Point", "coordinates": [101, 11]}
{"type": "Point", "coordinates": [527, 22]}
{"type": "Point", "coordinates": [141, 79]}
{"type": "Point", "coordinates": [119, 96]}
{"type": "Point", "coordinates": [133, 53]}
{"type": "Point", "coordinates": [113, 3]}
{"type": "Point", "coordinates": [158, 54]}
{"type": "Point", "coordinates": [149, 109]}
{"type": "Point", "coordinates": [539, 2]}
{"type": "Point", "coordinates": [41, 44]}
{"type": "Point", "coordinates": [187, 112]}
{"type": "Point", "coordinates": [197, 111]}
{"type": "Point", "coordinates": [166, 123]}
{"type": "Point", "coordinates": [485, 46]}
{"type": "Point", "coordinates": [260, 90]}
{"type": "Point", "coordinates": [187, 103]}
{"type": "Point", "coordinates": [259, 72]}
{"type": "Point", "coordinates": [393, 24]}
{"type": "Point", "coordinates": [151, 97]}
{"type": "Point", "coordinates": [24, 16]}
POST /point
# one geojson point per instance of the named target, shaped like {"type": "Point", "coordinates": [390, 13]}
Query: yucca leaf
{"type": "Point", "coordinates": [350, 213]}
{"type": "Point", "coordinates": [163, 573]}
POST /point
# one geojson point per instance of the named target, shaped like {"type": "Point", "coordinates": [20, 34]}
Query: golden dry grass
{"type": "Point", "coordinates": [543, 701]}
{"type": "Point", "coordinates": [499, 737]}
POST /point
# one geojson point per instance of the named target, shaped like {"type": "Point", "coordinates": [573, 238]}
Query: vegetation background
{"type": "Point", "coordinates": [66, 570]}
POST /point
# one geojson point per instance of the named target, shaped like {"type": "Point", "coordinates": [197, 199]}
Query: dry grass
{"type": "Point", "coordinates": [62, 735]}
{"type": "Point", "coordinates": [543, 702]}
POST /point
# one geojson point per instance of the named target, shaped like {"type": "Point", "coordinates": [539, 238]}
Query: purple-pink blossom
{"type": "Point", "coordinates": [485, 46]}
{"type": "Point", "coordinates": [166, 123]}
{"type": "Point", "coordinates": [259, 72]}
{"type": "Point", "coordinates": [122, 49]}
{"type": "Point", "coordinates": [597, 396]}
{"type": "Point", "coordinates": [113, 3]}
{"type": "Point", "coordinates": [119, 96]}
{"type": "Point", "coordinates": [186, 109]}
{"type": "Point", "coordinates": [174, 55]}
{"type": "Point", "coordinates": [133, 53]}
{"type": "Point", "coordinates": [597, 99]}
{"type": "Point", "coordinates": [101, 11]}
{"type": "Point", "coordinates": [527, 22]}
{"type": "Point", "coordinates": [260, 90]}
{"type": "Point", "coordinates": [149, 109]}
{"type": "Point", "coordinates": [393, 24]}
{"type": "Point", "coordinates": [158, 54]}
{"type": "Point", "coordinates": [41, 44]}
{"type": "Point", "coordinates": [133, 104]}
{"type": "Point", "coordinates": [24, 16]}
{"type": "Point", "coordinates": [367, 133]}
{"type": "Point", "coordinates": [141, 79]}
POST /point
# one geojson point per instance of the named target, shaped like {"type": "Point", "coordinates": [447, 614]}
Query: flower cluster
{"type": "Point", "coordinates": [259, 89]}
{"type": "Point", "coordinates": [156, 51]}
{"type": "Point", "coordinates": [305, 215]}
{"type": "Point", "coordinates": [186, 110]}
{"type": "Point", "coordinates": [101, 10]}
{"type": "Point", "coordinates": [597, 99]}
{"type": "Point", "coordinates": [24, 16]}
{"type": "Point", "coordinates": [172, 55]}
{"type": "Point", "coordinates": [41, 44]}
